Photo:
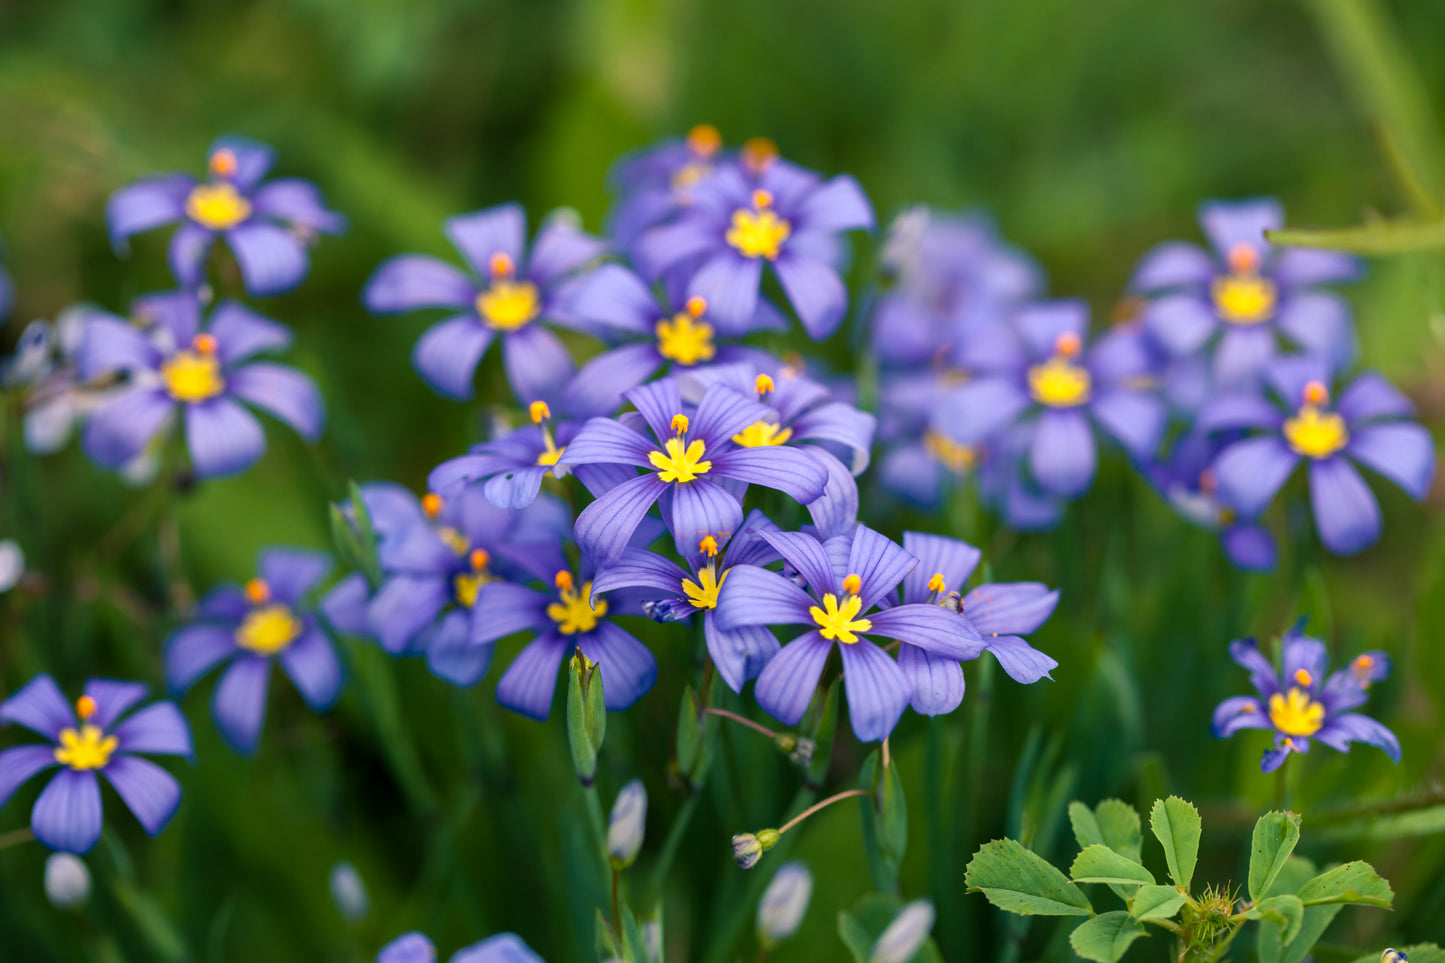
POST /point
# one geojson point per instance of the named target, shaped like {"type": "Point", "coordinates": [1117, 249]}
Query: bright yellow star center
{"type": "Point", "coordinates": [88, 748]}
{"type": "Point", "coordinates": [574, 612]}
{"type": "Point", "coordinates": [1243, 298]}
{"type": "Point", "coordinates": [685, 339]}
{"type": "Point", "coordinates": [758, 232]}
{"type": "Point", "coordinates": [679, 461]}
{"type": "Point", "coordinates": [508, 305]}
{"type": "Point", "coordinates": [840, 622]}
{"type": "Point", "coordinates": [1295, 713]}
{"type": "Point", "coordinates": [1059, 383]}
{"type": "Point", "coordinates": [193, 376]}
{"type": "Point", "coordinates": [268, 630]}
{"type": "Point", "coordinates": [703, 593]}
{"type": "Point", "coordinates": [217, 206]}
{"type": "Point", "coordinates": [1316, 434]}
{"type": "Point", "coordinates": [959, 459]}
{"type": "Point", "coordinates": [761, 434]}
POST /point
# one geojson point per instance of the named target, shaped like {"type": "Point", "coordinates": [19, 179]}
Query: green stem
{"type": "Point", "coordinates": [670, 847]}
{"type": "Point", "coordinates": [599, 825]}
{"type": "Point", "coordinates": [15, 838]}
{"type": "Point", "coordinates": [616, 906]}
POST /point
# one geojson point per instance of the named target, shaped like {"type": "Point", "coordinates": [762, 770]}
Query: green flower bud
{"type": "Point", "coordinates": [586, 716]}
{"type": "Point", "coordinates": [748, 848]}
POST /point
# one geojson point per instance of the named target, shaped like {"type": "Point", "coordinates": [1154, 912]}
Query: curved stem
{"type": "Point", "coordinates": [845, 794]}
{"type": "Point", "coordinates": [759, 727]}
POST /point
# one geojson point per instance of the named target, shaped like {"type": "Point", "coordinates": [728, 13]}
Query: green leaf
{"type": "Point", "coordinates": [1112, 823]}
{"type": "Point", "coordinates": [1106, 937]}
{"type": "Point", "coordinates": [1272, 948]}
{"type": "Point", "coordinates": [1355, 882]}
{"type": "Point", "coordinates": [1155, 902]}
{"type": "Point", "coordinates": [1275, 836]}
{"type": "Point", "coordinates": [1286, 912]}
{"type": "Point", "coordinates": [885, 822]}
{"type": "Point", "coordinates": [1377, 239]}
{"type": "Point", "coordinates": [1419, 953]}
{"type": "Point", "coordinates": [1020, 881]}
{"type": "Point", "coordinates": [1176, 825]}
{"type": "Point", "coordinates": [1100, 864]}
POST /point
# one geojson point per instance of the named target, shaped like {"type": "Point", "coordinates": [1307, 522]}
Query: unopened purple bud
{"type": "Point", "coordinates": [784, 902]}
{"type": "Point", "coordinates": [905, 934]}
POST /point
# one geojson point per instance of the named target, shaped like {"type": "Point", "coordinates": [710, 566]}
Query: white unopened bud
{"type": "Point", "coordinates": [784, 902]}
{"type": "Point", "coordinates": [905, 934]}
{"type": "Point", "coordinates": [348, 892]}
{"type": "Point", "coordinates": [652, 940]}
{"type": "Point", "coordinates": [626, 824]}
{"type": "Point", "coordinates": [67, 881]}
{"type": "Point", "coordinates": [12, 564]}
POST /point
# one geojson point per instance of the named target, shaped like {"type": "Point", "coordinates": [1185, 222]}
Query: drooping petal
{"type": "Point", "coordinates": [110, 344]}
{"type": "Point", "coordinates": [1250, 547]}
{"type": "Point", "coordinates": [116, 433]}
{"type": "Point", "coordinates": [113, 698]}
{"type": "Point", "coordinates": [605, 526]}
{"type": "Point", "coordinates": [414, 281]}
{"type": "Point", "coordinates": [145, 205]}
{"type": "Point", "coordinates": [1371, 396]}
{"type": "Point", "coordinates": [239, 703]}
{"type": "Point", "coordinates": [1010, 608]}
{"type": "Point", "coordinates": [1403, 452]}
{"type": "Point", "coordinates": [241, 333]}
{"type": "Point", "coordinates": [786, 684]}
{"type": "Point", "coordinates": [604, 441]}
{"type": "Point", "coordinates": [741, 653]}
{"type": "Point", "coordinates": [638, 568]}
{"type": "Point", "coordinates": [1339, 731]}
{"type": "Point", "coordinates": [815, 291]}
{"type": "Point", "coordinates": [158, 729]}
{"type": "Point", "coordinates": [20, 764]}
{"type": "Point", "coordinates": [936, 684]}
{"type": "Point", "coordinates": [193, 650]}
{"type": "Point", "coordinates": [835, 512]}
{"type": "Point", "coordinates": [930, 627]}
{"type": "Point", "coordinates": [1239, 712]}
{"type": "Point", "coordinates": [496, 230]}
{"type": "Point", "coordinates": [223, 437]}
{"type": "Point", "coordinates": [806, 556]}
{"type": "Point", "coordinates": [759, 596]}
{"type": "Point", "coordinates": [979, 409]}
{"type": "Point", "coordinates": [515, 490]}
{"type": "Point", "coordinates": [284, 392]}
{"type": "Point", "coordinates": [791, 471]}
{"type": "Point", "coordinates": [1062, 454]}
{"type": "Point", "coordinates": [1345, 510]}
{"type": "Point", "coordinates": [842, 425]}
{"type": "Point", "coordinates": [312, 664]}
{"type": "Point", "coordinates": [150, 792]}
{"type": "Point", "coordinates": [951, 558]}
{"type": "Point", "coordinates": [877, 689]}
{"type": "Point", "coordinates": [628, 667]}
{"type": "Point", "coordinates": [700, 508]}
{"type": "Point", "coordinates": [527, 685]}
{"type": "Point", "coordinates": [66, 816]}
{"type": "Point", "coordinates": [1320, 323]}
{"type": "Point", "coordinates": [729, 283]}
{"type": "Point", "coordinates": [272, 259]}
{"type": "Point", "coordinates": [447, 354]}
{"type": "Point", "coordinates": [599, 385]}
{"type": "Point", "coordinates": [1136, 419]}
{"type": "Point", "coordinates": [449, 653]}
{"type": "Point", "coordinates": [537, 364]}
{"type": "Point", "coordinates": [1021, 661]}
{"type": "Point", "coordinates": [403, 606]}
{"type": "Point", "coordinates": [1249, 472]}
{"type": "Point", "coordinates": [1245, 653]}
{"type": "Point", "coordinates": [1173, 264]}
{"type": "Point", "coordinates": [39, 706]}
{"type": "Point", "coordinates": [880, 564]}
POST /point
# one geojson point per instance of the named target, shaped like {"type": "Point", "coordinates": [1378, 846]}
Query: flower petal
{"type": "Point", "coordinates": [1172, 264]}
{"type": "Point", "coordinates": [599, 385]}
{"type": "Point", "coordinates": [740, 653]}
{"type": "Point", "coordinates": [1236, 713]}
{"type": "Point", "coordinates": [1403, 452]}
{"type": "Point", "coordinates": [1062, 455]}
{"type": "Point", "coordinates": [834, 512]}
{"type": "Point", "coordinates": [496, 230]}
{"type": "Point", "coordinates": [538, 365]}
{"type": "Point", "coordinates": [1262, 675]}
{"type": "Point", "coordinates": [791, 471]}
{"type": "Point", "coordinates": [1242, 354]}
{"type": "Point", "coordinates": [760, 596]}
{"type": "Point", "coordinates": [561, 249]}
{"type": "Point", "coordinates": [284, 392]}
{"type": "Point", "coordinates": [223, 437]}
{"type": "Point", "coordinates": [403, 606]}
{"type": "Point", "coordinates": [880, 564]}
{"type": "Point", "coordinates": [614, 297]}
{"type": "Point", "coordinates": [290, 573]}
{"type": "Point", "coordinates": [111, 344]}
{"type": "Point", "coordinates": [1227, 223]}
{"type": "Point", "coordinates": [158, 728]}
{"type": "Point", "coordinates": [408, 948]}
{"type": "Point", "coordinates": [146, 204]}
{"type": "Point", "coordinates": [66, 816]}
{"type": "Point", "coordinates": [311, 663]}
{"type": "Point", "coordinates": [1345, 510]}
{"type": "Point", "coordinates": [700, 508]}
{"type": "Point", "coordinates": [1320, 323]}
{"type": "Point", "coordinates": [1136, 419]}
{"type": "Point", "coordinates": [527, 685]}
{"type": "Point", "coordinates": [1301, 266]}
{"type": "Point", "coordinates": [1250, 547]}
{"type": "Point", "coordinates": [951, 558]}
{"type": "Point", "coordinates": [1042, 324]}
{"type": "Point", "coordinates": [272, 259]}
{"type": "Point", "coordinates": [193, 650]}
{"type": "Point", "coordinates": [815, 291]}
{"type": "Point", "coordinates": [187, 254]}
{"type": "Point", "coordinates": [241, 333]}
{"type": "Point", "coordinates": [121, 429]}
{"type": "Point", "coordinates": [979, 409]}
{"type": "Point", "coordinates": [1021, 661]}
{"type": "Point", "coordinates": [150, 792]}
{"type": "Point", "coordinates": [113, 699]}
{"type": "Point", "coordinates": [413, 281]}
{"type": "Point", "coordinates": [1372, 396]}
{"type": "Point", "coordinates": [935, 683]}
{"type": "Point", "coordinates": [1249, 472]}
{"type": "Point", "coordinates": [504, 608]}
{"type": "Point", "coordinates": [877, 689]}
{"type": "Point", "coordinates": [786, 684]}
{"type": "Point", "coordinates": [449, 653]}
{"type": "Point", "coordinates": [298, 203]}
{"type": "Point", "coordinates": [20, 764]}
{"type": "Point", "coordinates": [1010, 608]}
{"type": "Point", "coordinates": [239, 703]}
{"type": "Point", "coordinates": [604, 441]}
{"type": "Point", "coordinates": [39, 706]}
{"type": "Point", "coordinates": [502, 948]}
{"type": "Point", "coordinates": [605, 526]}
{"type": "Point", "coordinates": [344, 606]}
{"type": "Point", "coordinates": [447, 354]}
{"type": "Point", "coordinates": [729, 283]}
{"type": "Point", "coordinates": [930, 627]}
{"type": "Point", "coordinates": [806, 556]}
{"type": "Point", "coordinates": [1339, 731]}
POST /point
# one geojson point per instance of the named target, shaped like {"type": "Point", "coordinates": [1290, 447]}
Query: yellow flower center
{"type": "Point", "coordinates": [1243, 298]}
{"type": "Point", "coordinates": [760, 434]}
{"type": "Point", "coordinates": [959, 459]}
{"type": "Point", "coordinates": [1316, 434]}
{"type": "Point", "coordinates": [1295, 713]}
{"type": "Point", "coordinates": [840, 621]}
{"type": "Point", "coordinates": [703, 593]}
{"type": "Point", "coordinates": [575, 612]}
{"type": "Point", "coordinates": [681, 462]}
{"type": "Point", "coordinates": [685, 339]}
{"type": "Point", "coordinates": [508, 305]}
{"type": "Point", "coordinates": [217, 206]}
{"type": "Point", "coordinates": [467, 584]}
{"type": "Point", "coordinates": [193, 376]}
{"type": "Point", "coordinates": [268, 630]}
{"type": "Point", "coordinates": [88, 748]}
{"type": "Point", "coordinates": [1059, 383]}
{"type": "Point", "coordinates": [454, 540]}
{"type": "Point", "coordinates": [550, 455]}
{"type": "Point", "coordinates": [758, 231]}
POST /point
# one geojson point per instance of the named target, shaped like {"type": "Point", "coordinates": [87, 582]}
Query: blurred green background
{"type": "Point", "coordinates": [1090, 131]}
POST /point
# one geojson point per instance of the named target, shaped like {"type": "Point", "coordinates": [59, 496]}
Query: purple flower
{"type": "Point", "coordinates": [843, 580]}
{"type": "Point", "coordinates": [998, 613]}
{"type": "Point", "coordinates": [739, 654]}
{"type": "Point", "coordinates": [1246, 294]}
{"type": "Point", "coordinates": [266, 226]}
{"type": "Point", "coordinates": [509, 292]}
{"type": "Point", "coordinates": [1188, 483]}
{"type": "Point", "coordinates": [1365, 425]}
{"type": "Point", "coordinates": [267, 621]}
{"type": "Point", "coordinates": [416, 948]}
{"type": "Point", "coordinates": [786, 217]}
{"type": "Point", "coordinates": [1040, 371]}
{"type": "Point", "coordinates": [676, 334]}
{"type": "Point", "coordinates": [92, 738]}
{"type": "Point", "coordinates": [920, 463]}
{"type": "Point", "coordinates": [656, 182]}
{"type": "Point", "coordinates": [695, 466]}
{"type": "Point", "coordinates": [1300, 703]}
{"type": "Point", "coordinates": [175, 366]}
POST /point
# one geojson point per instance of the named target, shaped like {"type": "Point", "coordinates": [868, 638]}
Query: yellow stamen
{"type": "Point", "coordinates": [936, 584]}
{"type": "Point", "coordinates": [759, 231]}
{"type": "Point", "coordinates": [1295, 713]}
{"type": "Point", "coordinates": [702, 594]}
{"type": "Point", "coordinates": [194, 375]}
{"type": "Point", "coordinates": [1316, 434]}
{"type": "Point", "coordinates": [258, 592]}
{"type": "Point", "coordinates": [431, 503]}
{"type": "Point", "coordinates": [85, 707]}
{"type": "Point", "coordinates": [88, 748]}
{"type": "Point", "coordinates": [840, 622]}
{"type": "Point", "coordinates": [761, 434]}
{"type": "Point", "coordinates": [679, 464]}
{"type": "Point", "coordinates": [1362, 667]}
{"type": "Point", "coordinates": [959, 459]}
{"type": "Point", "coordinates": [551, 453]}
{"type": "Point", "coordinates": [575, 612]}
{"type": "Point", "coordinates": [466, 584]}
{"type": "Point", "coordinates": [704, 140]}
{"type": "Point", "coordinates": [539, 411]}
{"type": "Point", "coordinates": [508, 305]}
{"type": "Point", "coordinates": [1243, 298]}
{"type": "Point", "coordinates": [684, 339]}
{"type": "Point", "coordinates": [1059, 383]}
{"type": "Point", "coordinates": [763, 385]}
{"type": "Point", "coordinates": [219, 207]}
{"type": "Point", "coordinates": [268, 630]}
{"type": "Point", "coordinates": [708, 546]}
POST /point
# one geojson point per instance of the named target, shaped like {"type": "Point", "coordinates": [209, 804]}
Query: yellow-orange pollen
{"type": "Point", "coordinates": [223, 162]}
{"type": "Point", "coordinates": [959, 459]}
{"type": "Point", "coordinates": [1362, 667]}
{"type": "Point", "coordinates": [758, 153]}
{"type": "Point", "coordinates": [539, 412]}
{"type": "Point", "coordinates": [761, 434]}
{"type": "Point", "coordinates": [218, 206]}
{"type": "Point", "coordinates": [937, 585]}
{"type": "Point", "coordinates": [1295, 713]}
{"type": "Point", "coordinates": [1313, 432]}
{"type": "Point", "coordinates": [574, 611]}
{"type": "Point", "coordinates": [708, 546]}
{"type": "Point", "coordinates": [685, 339]}
{"type": "Point", "coordinates": [87, 747]}
{"type": "Point", "coordinates": [431, 503]}
{"type": "Point", "coordinates": [194, 374]}
{"type": "Point", "coordinates": [1242, 296]}
{"type": "Point", "coordinates": [763, 385]}
{"type": "Point", "coordinates": [702, 594]}
{"type": "Point", "coordinates": [839, 619]}
{"type": "Point", "coordinates": [466, 584]}
{"type": "Point", "coordinates": [268, 629]}
{"type": "Point", "coordinates": [1060, 382]}
{"type": "Point", "coordinates": [758, 231]}
{"type": "Point", "coordinates": [704, 140]}
{"type": "Point", "coordinates": [258, 592]}
{"type": "Point", "coordinates": [680, 461]}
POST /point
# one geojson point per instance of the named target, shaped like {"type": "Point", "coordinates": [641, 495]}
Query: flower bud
{"type": "Point", "coordinates": [1393, 956]}
{"type": "Point", "coordinates": [67, 881]}
{"type": "Point", "coordinates": [626, 825]}
{"type": "Point", "coordinates": [586, 716]}
{"type": "Point", "coordinates": [798, 750]}
{"type": "Point", "coordinates": [348, 892]}
{"type": "Point", "coordinates": [748, 848]}
{"type": "Point", "coordinates": [408, 948]}
{"type": "Point", "coordinates": [12, 564]}
{"type": "Point", "coordinates": [652, 940]}
{"type": "Point", "coordinates": [905, 934]}
{"type": "Point", "coordinates": [784, 902]}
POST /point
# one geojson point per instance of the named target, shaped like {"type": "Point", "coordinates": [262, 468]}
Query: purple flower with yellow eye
{"type": "Point", "coordinates": [1246, 294]}
{"type": "Point", "coordinates": [201, 372]}
{"type": "Point", "coordinates": [740, 653]}
{"type": "Point", "coordinates": [656, 181]}
{"type": "Point", "coordinates": [508, 294]}
{"type": "Point", "coordinates": [266, 225]}
{"type": "Point", "coordinates": [417, 948]}
{"type": "Point", "coordinates": [999, 613]}
{"type": "Point", "coordinates": [1365, 425]}
{"type": "Point", "coordinates": [1188, 483]}
{"type": "Point", "coordinates": [266, 621]}
{"type": "Point", "coordinates": [785, 217]}
{"type": "Point", "coordinates": [693, 465]}
{"type": "Point", "coordinates": [92, 738]}
{"type": "Point", "coordinates": [1300, 702]}
{"type": "Point", "coordinates": [844, 580]}
{"type": "Point", "coordinates": [1037, 372]}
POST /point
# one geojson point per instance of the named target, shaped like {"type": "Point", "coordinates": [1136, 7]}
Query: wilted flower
{"type": "Point", "coordinates": [784, 902]}
{"type": "Point", "coordinates": [67, 880]}
{"type": "Point", "coordinates": [905, 934]}
{"type": "Point", "coordinates": [348, 891]}
{"type": "Point", "coordinates": [626, 824]}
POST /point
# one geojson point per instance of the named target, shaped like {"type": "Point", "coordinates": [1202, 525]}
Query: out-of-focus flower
{"type": "Point", "coordinates": [416, 948]}
{"type": "Point", "coordinates": [266, 225]}
{"type": "Point", "coordinates": [1246, 294]}
{"type": "Point", "coordinates": [85, 739]}
{"type": "Point", "coordinates": [67, 880]}
{"type": "Point", "coordinates": [905, 934]}
{"type": "Point", "coordinates": [176, 368]}
{"type": "Point", "coordinates": [626, 824]}
{"type": "Point", "coordinates": [1366, 425]}
{"type": "Point", "coordinates": [1300, 702]}
{"type": "Point", "coordinates": [12, 564]}
{"type": "Point", "coordinates": [780, 911]}
{"type": "Point", "coordinates": [655, 182]}
{"type": "Point", "coordinates": [1188, 483]}
{"type": "Point", "coordinates": [267, 620]}
{"type": "Point", "coordinates": [509, 292]}
{"type": "Point", "coordinates": [348, 892]}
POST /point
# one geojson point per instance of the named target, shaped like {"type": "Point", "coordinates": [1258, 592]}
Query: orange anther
{"type": "Point", "coordinates": [539, 411]}
{"type": "Point", "coordinates": [758, 153]}
{"type": "Point", "coordinates": [762, 198]}
{"type": "Point", "coordinates": [85, 707]}
{"type": "Point", "coordinates": [501, 265]}
{"type": "Point", "coordinates": [696, 306]}
{"type": "Point", "coordinates": [708, 546]}
{"type": "Point", "coordinates": [481, 558]}
{"type": "Point", "coordinates": [1068, 344]}
{"type": "Point", "coordinates": [704, 140]}
{"type": "Point", "coordinates": [223, 162]}
{"type": "Point", "coordinates": [1316, 393]}
{"type": "Point", "coordinates": [1243, 258]}
{"type": "Point", "coordinates": [431, 503]}
{"type": "Point", "coordinates": [680, 424]}
{"type": "Point", "coordinates": [563, 580]}
{"type": "Point", "coordinates": [853, 584]}
{"type": "Point", "coordinates": [1208, 481]}
{"type": "Point", "coordinates": [258, 592]}
{"type": "Point", "coordinates": [763, 385]}
{"type": "Point", "coordinates": [205, 343]}
{"type": "Point", "coordinates": [1303, 677]}
{"type": "Point", "coordinates": [936, 584]}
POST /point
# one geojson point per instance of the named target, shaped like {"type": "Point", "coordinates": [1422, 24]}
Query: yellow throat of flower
{"type": "Point", "coordinates": [959, 459]}
{"type": "Point", "coordinates": [1295, 713]}
{"type": "Point", "coordinates": [218, 206]}
{"type": "Point", "coordinates": [194, 374]}
{"type": "Point", "coordinates": [508, 305]}
{"type": "Point", "coordinates": [758, 231]}
{"type": "Point", "coordinates": [1243, 298]}
{"type": "Point", "coordinates": [685, 339]}
{"type": "Point", "coordinates": [85, 748]}
{"type": "Point", "coordinates": [761, 434]}
{"type": "Point", "coordinates": [1060, 383]}
{"type": "Point", "coordinates": [268, 629]}
{"type": "Point", "coordinates": [839, 620]}
{"type": "Point", "coordinates": [1314, 433]}
{"type": "Point", "coordinates": [466, 585]}
{"type": "Point", "coordinates": [703, 593]}
{"type": "Point", "coordinates": [680, 461]}
{"type": "Point", "coordinates": [574, 611]}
